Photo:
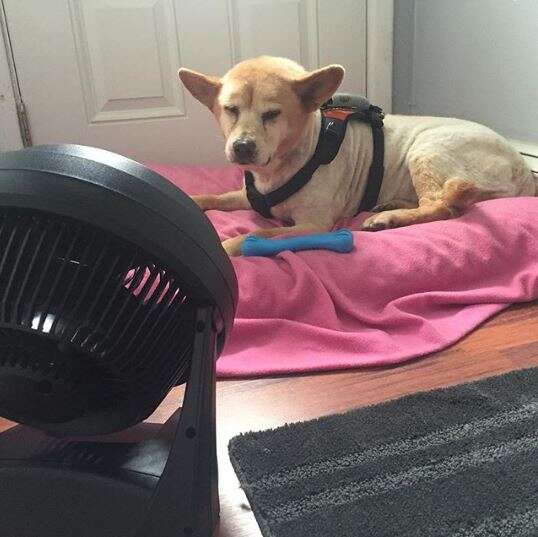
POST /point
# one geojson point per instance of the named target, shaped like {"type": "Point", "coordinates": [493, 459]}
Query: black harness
{"type": "Point", "coordinates": [335, 115]}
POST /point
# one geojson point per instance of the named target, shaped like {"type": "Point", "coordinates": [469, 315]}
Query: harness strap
{"type": "Point", "coordinates": [256, 199]}
{"type": "Point", "coordinates": [377, 168]}
{"type": "Point", "coordinates": [327, 147]}
{"type": "Point", "coordinates": [335, 115]}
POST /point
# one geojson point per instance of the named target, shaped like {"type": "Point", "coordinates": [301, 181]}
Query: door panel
{"type": "Point", "coordinates": [127, 78]}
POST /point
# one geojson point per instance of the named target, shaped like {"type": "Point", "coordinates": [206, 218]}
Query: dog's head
{"type": "Point", "coordinates": [263, 104]}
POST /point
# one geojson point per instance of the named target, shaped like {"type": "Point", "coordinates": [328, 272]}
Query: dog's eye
{"type": "Point", "coordinates": [232, 109]}
{"type": "Point", "coordinates": [271, 114]}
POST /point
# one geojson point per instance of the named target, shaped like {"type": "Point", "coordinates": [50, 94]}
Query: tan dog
{"type": "Point", "coordinates": [268, 110]}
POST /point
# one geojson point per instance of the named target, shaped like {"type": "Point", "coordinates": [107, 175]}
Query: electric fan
{"type": "Point", "coordinates": [113, 289]}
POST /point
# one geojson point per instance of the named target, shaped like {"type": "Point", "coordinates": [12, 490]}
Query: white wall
{"type": "Point", "coordinates": [476, 59]}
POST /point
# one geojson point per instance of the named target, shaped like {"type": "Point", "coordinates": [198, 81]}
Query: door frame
{"type": "Point", "coordinates": [379, 47]}
{"type": "Point", "coordinates": [10, 134]}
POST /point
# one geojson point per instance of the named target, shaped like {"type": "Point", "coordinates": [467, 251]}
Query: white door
{"type": "Point", "coordinates": [103, 72]}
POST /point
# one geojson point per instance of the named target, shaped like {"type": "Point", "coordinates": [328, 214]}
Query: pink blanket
{"type": "Point", "coordinates": [400, 294]}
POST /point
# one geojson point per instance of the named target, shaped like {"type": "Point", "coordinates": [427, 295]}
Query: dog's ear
{"type": "Point", "coordinates": [318, 86]}
{"type": "Point", "coordinates": [204, 88]}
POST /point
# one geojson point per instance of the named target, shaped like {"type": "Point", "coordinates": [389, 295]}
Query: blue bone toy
{"type": "Point", "coordinates": [338, 241]}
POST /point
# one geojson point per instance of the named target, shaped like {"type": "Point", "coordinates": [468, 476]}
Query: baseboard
{"type": "Point", "coordinates": [529, 151]}
{"type": "Point", "coordinates": [532, 162]}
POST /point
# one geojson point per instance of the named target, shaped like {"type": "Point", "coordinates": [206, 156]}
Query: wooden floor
{"type": "Point", "coordinates": [507, 342]}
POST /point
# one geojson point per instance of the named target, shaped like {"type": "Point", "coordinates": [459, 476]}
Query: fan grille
{"type": "Point", "coordinates": [85, 313]}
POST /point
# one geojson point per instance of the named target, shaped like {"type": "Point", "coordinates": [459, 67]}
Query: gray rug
{"type": "Point", "coordinates": [459, 462]}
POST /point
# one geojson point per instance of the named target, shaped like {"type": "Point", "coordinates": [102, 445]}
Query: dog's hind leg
{"type": "Point", "coordinates": [449, 202]}
{"type": "Point", "coordinates": [441, 195]}
{"type": "Point", "coordinates": [394, 204]}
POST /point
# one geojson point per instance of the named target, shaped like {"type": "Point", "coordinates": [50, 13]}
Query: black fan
{"type": "Point", "coordinates": [113, 289]}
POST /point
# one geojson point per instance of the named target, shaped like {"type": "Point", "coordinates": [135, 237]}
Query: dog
{"type": "Point", "coordinates": [269, 111]}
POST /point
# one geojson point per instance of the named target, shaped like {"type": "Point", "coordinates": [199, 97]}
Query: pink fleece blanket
{"type": "Point", "coordinates": [400, 294]}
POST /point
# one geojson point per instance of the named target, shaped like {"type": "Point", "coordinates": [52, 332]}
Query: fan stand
{"type": "Point", "coordinates": [165, 485]}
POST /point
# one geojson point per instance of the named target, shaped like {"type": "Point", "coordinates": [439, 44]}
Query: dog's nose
{"type": "Point", "coordinates": [245, 150]}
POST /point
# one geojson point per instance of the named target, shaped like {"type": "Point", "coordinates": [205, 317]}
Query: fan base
{"type": "Point", "coordinates": [51, 486]}
{"type": "Point", "coordinates": [147, 481]}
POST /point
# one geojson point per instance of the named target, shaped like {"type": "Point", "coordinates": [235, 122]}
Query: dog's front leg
{"type": "Point", "coordinates": [230, 201]}
{"type": "Point", "coordinates": [233, 245]}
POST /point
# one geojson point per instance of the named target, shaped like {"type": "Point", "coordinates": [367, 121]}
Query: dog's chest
{"type": "Point", "coordinates": [334, 190]}
{"type": "Point", "coordinates": [323, 197]}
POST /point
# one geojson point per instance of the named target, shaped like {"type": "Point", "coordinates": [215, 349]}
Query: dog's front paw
{"type": "Point", "coordinates": [385, 220]}
{"type": "Point", "coordinates": [233, 246]}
